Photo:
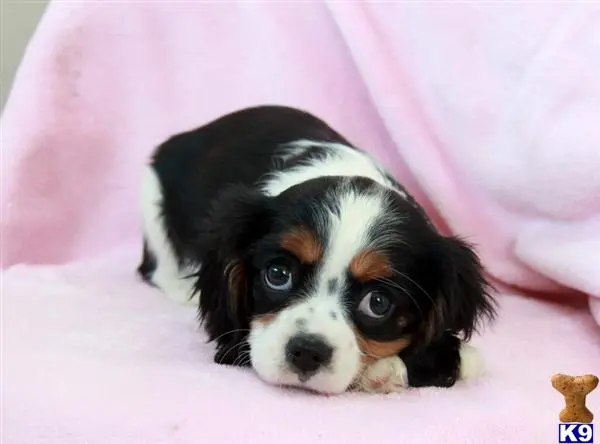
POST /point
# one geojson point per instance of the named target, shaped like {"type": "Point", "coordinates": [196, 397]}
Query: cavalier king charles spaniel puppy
{"type": "Point", "coordinates": [307, 260]}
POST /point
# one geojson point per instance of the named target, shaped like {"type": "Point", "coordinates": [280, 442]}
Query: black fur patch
{"type": "Point", "coordinates": [436, 364]}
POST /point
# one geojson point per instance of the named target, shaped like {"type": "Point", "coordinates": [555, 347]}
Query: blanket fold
{"type": "Point", "coordinates": [493, 130]}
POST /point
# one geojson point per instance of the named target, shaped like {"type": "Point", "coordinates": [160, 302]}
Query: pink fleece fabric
{"type": "Point", "coordinates": [488, 113]}
{"type": "Point", "coordinates": [92, 356]}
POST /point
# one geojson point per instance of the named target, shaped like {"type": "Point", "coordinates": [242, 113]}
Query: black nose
{"type": "Point", "coordinates": [307, 353]}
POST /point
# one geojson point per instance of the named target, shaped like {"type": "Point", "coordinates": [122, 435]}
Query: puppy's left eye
{"type": "Point", "coordinates": [278, 276]}
{"type": "Point", "coordinates": [375, 305]}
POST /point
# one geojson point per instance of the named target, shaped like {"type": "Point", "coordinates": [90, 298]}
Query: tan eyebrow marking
{"type": "Point", "coordinates": [369, 265]}
{"type": "Point", "coordinates": [303, 244]}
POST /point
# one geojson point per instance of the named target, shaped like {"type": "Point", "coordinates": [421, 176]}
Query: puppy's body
{"type": "Point", "coordinates": [309, 261]}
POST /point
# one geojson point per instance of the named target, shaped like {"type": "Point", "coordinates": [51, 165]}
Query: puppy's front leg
{"type": "Point", "coordinates": [442, 362]}
{"type": "Point", "coordinates": [439, 364]}
{"type": "Point", "coordinates": [386, 375]}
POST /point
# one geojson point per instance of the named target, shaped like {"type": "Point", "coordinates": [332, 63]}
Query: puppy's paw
{"type": "Point", "coordinates": [471, 362]}
{"type": "Point", "coordinates": [387, 375]}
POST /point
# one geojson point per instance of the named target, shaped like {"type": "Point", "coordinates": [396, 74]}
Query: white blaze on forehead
{"type": "Point", "coordinates": [348, 233]}
{"type": "Point", "coordinates": [322, 311]}
{"type": "Point", "coordinates": [340, 160]}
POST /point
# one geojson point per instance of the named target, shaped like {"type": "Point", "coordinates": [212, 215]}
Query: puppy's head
{"type": "Point", "coordinates": [311, 285]}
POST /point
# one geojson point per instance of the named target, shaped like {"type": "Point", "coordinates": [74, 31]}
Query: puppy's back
{"type": "Point", "coordinates": [238, 148]}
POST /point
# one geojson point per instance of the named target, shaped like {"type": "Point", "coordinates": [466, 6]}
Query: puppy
{"type": "Point", "coordinates": [308, 261]}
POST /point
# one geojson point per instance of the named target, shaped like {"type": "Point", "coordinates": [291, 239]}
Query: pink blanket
{"type": "Point", "coordinates": [488, 114]}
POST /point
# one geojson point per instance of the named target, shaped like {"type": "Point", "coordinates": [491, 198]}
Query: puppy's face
{"type": "Point", "coordinates": [328, 276]}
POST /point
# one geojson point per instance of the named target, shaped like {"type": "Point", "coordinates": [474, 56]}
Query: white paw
{"type": "Point", "coordinates": [471, 362]}
{"type": "Point", "coordinates": [387, 375]}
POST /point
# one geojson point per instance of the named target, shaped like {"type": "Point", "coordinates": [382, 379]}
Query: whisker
{"type": "Point", "coordinates": [405, 291]}
{"type": "Point", "coordinates": [245, 362]}
{"type": "Point", "coordinates": [242, 354]}
{"type": "Point", "coordinates": [241, 357]}
{"type": "Point", "coordinates": [408, 278]}
{"type": "Point", "coordinates": [231, 331]}
{"type": "Point", "coordinates": [231, 348]}
{"type": "Point", "coordinates": [416, 284]}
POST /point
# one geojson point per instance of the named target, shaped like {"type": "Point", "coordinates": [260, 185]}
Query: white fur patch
{"type": "Point", "coordinates": [341, 160]}
{"type": "Point", "coordinates": [386, 375]}
{"type": "Point", "coordinates": [471, 362]}
{"type": "Point", "coordinates": [167, 276]}
{"type": "Point", "coordinates": [348, 233]}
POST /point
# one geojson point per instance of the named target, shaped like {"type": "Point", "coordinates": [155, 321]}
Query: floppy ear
{"type": "Point", "coordinates": [237, 218]}
{"type": "Point", "coordinates": [463, 297]}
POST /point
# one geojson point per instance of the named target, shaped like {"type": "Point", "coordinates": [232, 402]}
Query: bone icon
{"type": "Point", "coordinates": [575, 389]}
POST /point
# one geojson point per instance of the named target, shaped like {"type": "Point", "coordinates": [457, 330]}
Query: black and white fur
{"type": "Point", "coordinates": [217, 203]}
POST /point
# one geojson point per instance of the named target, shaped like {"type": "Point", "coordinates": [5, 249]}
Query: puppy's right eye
{"type": "Point", "coordinates": [375, 305]}
{"type": "Point", "coordinates": [279, 277]}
